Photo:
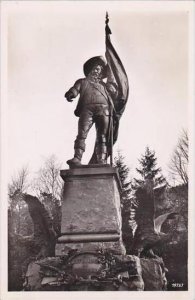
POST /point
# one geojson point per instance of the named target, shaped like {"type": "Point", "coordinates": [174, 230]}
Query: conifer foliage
{"type": "Point", "coordinates": [123, 170]}
{"type": "Point", "coordinates": [148, 170]}
{"type": "Point", "coordinates": [151, 180]}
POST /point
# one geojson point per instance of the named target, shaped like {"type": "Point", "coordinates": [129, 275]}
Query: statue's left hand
{"type": "Point", "coordinates": [112, 88]}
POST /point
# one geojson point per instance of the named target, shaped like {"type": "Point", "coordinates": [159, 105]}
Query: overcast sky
{"type": "Point", "coordinates": [47, 44]}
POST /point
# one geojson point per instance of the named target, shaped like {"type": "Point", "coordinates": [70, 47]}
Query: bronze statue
{"type": "Point", "coordinates": [100, 102]}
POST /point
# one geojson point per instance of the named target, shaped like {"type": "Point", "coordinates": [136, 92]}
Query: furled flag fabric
{"type": "Point", "coordinates": [117, 74]}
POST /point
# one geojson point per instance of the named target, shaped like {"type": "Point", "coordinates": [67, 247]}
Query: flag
{"type": "Point", "coordinates": [117, 74]}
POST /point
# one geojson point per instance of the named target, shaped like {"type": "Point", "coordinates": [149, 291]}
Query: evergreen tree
{"type": "Point", "coordinates": [123, 171]}
{"type": "Point", "coordinates": [151, 178]}
{"type": "Point", "coordinates": [126, 202]}
{"type": "Point", "coordinates": [149, 171]}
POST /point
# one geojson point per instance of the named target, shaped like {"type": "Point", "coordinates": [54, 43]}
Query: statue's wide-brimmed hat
{"type": "Point", "coordinates": [96, 60]}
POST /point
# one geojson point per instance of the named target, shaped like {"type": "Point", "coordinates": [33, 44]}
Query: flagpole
{"type": "Point", "coordinates": [108, 32]}
{"type": "Point", "coordinates": [111, 138]}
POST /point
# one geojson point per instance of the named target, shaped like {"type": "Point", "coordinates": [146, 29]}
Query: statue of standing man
{"type": "Point", "coordinates": [100, 102]}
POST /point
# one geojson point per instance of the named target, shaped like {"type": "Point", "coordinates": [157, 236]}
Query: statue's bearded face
{"type": "Point", "coordinates": [97, 72]}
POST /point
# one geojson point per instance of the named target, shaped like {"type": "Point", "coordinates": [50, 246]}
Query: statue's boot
{"type": "Point", "coordinates": [101, 152]}
{"type": "Point", "coordinates": [76, 160]}
{"type": "Point", "coordinates": [102, 158]}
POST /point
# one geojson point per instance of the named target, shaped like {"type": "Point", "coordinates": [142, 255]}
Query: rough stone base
{"type": "Point", "coordinates": [85, 272]}
{"type": "Point", "coordinates": [134, 273]}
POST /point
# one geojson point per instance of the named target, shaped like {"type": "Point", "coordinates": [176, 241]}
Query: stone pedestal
{"type": "Point", "coordinates": [91, 216]}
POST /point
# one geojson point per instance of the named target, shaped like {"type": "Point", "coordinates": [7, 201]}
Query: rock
{"type": "Point", "coordinates": [153, 274]}
{"type": "Point", "coordinates": [33, 278]}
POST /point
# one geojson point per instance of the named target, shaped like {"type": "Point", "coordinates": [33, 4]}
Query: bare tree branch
{"type": "Point", "coordinates": [48, 180]}
{"type": "Point", "coordinates": [19, 182]}
{"type": "Point", "coordinates": [179, 162]}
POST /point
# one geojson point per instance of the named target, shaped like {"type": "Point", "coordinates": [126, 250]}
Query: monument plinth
{"type": "Point", "coordinates": [91, 216]}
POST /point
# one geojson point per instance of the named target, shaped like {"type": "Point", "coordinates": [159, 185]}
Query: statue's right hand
{"type": "Point", "coordinates": [69, 95]}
